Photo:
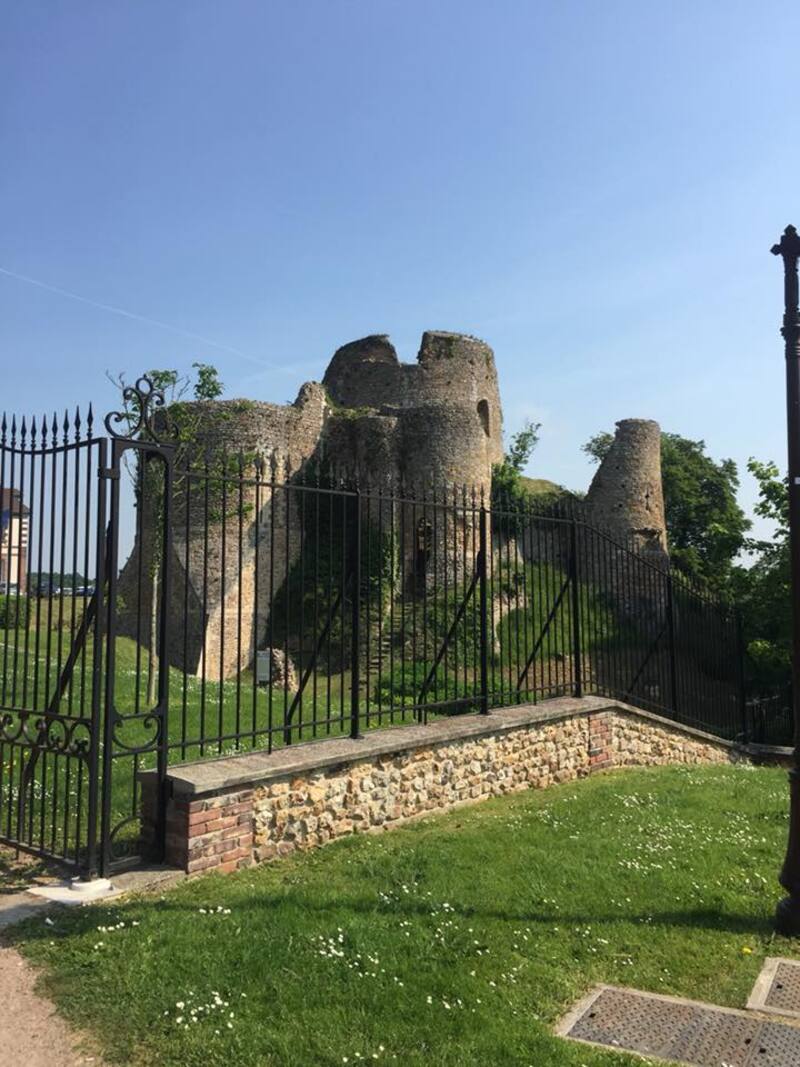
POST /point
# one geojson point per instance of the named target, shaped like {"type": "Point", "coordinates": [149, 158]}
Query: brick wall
{"type": "Point", "coordinates": [229, 813]}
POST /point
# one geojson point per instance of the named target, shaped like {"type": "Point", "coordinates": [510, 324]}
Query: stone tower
{"type": "Point", "coordinates": [626, 497]}
{"type": "Point", "coordinates": [437, 420]}
{"type": "Point", "coordinates": [398, 426]}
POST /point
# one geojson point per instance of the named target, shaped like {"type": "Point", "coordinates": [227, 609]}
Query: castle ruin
{"type": "Point", "coordinates": [401, 427]}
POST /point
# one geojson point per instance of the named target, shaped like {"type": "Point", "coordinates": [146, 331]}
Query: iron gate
{"type": "Point", "coordinates": [72, 744]}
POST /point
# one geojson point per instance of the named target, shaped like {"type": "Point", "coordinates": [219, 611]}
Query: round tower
{"type": "Point", "coordinates": [459, 370]}
{"type": "Point", "coordinates": [364, 373]}
{"type": "Point", "coordinates": [454, 380]}
{"type": "Point", "coordinates": [626, 496]}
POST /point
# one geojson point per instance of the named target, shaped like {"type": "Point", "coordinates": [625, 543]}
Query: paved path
{"type": "Point", "coordinates": [31, 1034]}
{"type": "Point", "coordinates": [30, 1031]}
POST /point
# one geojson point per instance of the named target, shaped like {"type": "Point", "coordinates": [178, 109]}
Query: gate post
{"type": "Point", "coordinates": [101, 565]}
{"type": "Point", "coordinates": [109, 711]}
{"type": "Point", "coordinates": [146, 445]}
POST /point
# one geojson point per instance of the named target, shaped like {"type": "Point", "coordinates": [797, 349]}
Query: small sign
{"type": "Point", "coordinates": [263, 667]}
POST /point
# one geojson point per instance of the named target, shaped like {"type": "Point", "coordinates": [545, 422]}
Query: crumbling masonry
{"type": "Point", "coordinates": [400, 426]}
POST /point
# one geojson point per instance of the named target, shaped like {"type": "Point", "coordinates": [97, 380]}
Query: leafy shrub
{"type": "Point", "coordinates": [403, 685]}
{"type": "Point", "coordinates": [14, 611]}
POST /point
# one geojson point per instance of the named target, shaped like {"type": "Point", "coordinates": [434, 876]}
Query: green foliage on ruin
{"type": "Point", "coordinates": [512, 491]}
{"type": "Point", "coordinates": [402, 686]}
{"type": "Point", "coordinates": [185, 424]}
{"type": "Point", "coordinates": [319, 585]}
{"type": "Point", "coordinates": [207, 384]}
{"type": "Point", "coordinates": [343, 412]}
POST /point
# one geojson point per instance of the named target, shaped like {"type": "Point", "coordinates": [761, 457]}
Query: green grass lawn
{"type": "Point", "coordinates": [456, 941]}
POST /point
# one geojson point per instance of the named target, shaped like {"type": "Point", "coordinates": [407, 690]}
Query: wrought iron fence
{"type": "Point", "coordinates": [158, 606]}
{"type": "Point", "coordinates": [770, 719]}
{"type": "Point", "coordinates": [305, 606]}
{"type": "Point", "coordinates": [52, 533]}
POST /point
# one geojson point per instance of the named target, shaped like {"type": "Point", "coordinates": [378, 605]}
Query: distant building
{"type": "Point", "coordinates": [14, 535]}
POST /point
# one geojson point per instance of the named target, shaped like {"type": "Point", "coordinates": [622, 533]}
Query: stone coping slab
{"type": "Point", "coordinates": [256, 768]}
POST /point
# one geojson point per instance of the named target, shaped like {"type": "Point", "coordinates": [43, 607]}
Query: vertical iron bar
{"type": "Point", "coordinates": [740, 656]}
{"type": "Point", "coordinates": [355, 650]}
{"type": "Point", "coordinates": [101, 550]}
{"type": "Point", "coordinates": [168, 456]}
{"type": "Point", "coordinates": [271, 582]}
{"type": "Point", "coordinates": [187, 532]}
{"type": "Point", "coordinates": [204, 609]}
{"type": "Point", "coordinates": [259, 467]}
{"type": "Point", "coordinates": [239, 583]}
{"type": "Point", "coordinates": [221, 709]}
{"type": "Point", "coordinates": [484, 635]}
{"type": "Point", "coordinates": [576, 618]}
{"type": "Point", "coordinates": [673, 675]}
{"type": "Point", "coordinates": [314, 707]}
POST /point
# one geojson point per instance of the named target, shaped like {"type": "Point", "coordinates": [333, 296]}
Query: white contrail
{"type": "Point", "coordinates": [132, 315]}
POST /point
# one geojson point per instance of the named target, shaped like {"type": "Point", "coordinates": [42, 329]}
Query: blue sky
{"type": "Point", "coordinates": [592, 187]}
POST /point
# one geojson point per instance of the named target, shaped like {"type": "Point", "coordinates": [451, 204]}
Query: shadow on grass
{"type": "Point", "coordinates": [705, 919]}
{"type": "Point", "coordinates": [19, 870]}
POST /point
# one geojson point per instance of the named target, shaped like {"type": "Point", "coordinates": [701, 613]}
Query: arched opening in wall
{"type": "Point", "coordinates": [422, 553]}
{"type": "Point", "coordinates": [483, 415]}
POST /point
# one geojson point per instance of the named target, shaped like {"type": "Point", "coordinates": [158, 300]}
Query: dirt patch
{"type": "Point", "coordinates": [30, 1031]}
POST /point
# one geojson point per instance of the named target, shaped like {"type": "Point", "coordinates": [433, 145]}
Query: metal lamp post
{"type": "Point", "coordinates": [787, 914]}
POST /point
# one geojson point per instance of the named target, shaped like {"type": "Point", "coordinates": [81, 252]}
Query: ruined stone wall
{"type": "Point", "coordinates": [453, 371]}
{"type": "Point", "coordinates": [219, 608]}
{"type": "Point", "coordinates": [626, 499]}
{"type": "Point", "coordinates": [399, 427]}
{"type": "Point", "coordinates": [405, 429]}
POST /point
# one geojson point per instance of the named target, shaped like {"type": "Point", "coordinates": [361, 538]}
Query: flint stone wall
{"type": "Point", "coordinates": [245, 809]}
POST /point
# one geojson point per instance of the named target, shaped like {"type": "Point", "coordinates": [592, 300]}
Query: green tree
{"type": "Point", "coordinates": [207, 385]}
{"type": "Point", "coordinates": [706, 527]}
{"type": "Point", "coordinates": [522, 445]}
{"type": "Point", "coordinates": [763, 590]}
{"type": "Point", "coordinates": [508, 488]}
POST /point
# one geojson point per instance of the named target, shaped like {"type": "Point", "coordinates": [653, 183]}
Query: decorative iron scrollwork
{"type": "Point", "coordinates": [125, 839]}
{"type": "Point", "coordinates": [145, 402]}
{"type": "Point", "coordinates": [148, 723]}
{"type": "Point", "coordinates": [57, 734]}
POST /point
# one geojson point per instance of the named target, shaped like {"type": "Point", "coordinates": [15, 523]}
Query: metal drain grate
{"type": "Point", "coordinates": [777, 989]}
{"type": "Point", "coordinates": [684, 1031]}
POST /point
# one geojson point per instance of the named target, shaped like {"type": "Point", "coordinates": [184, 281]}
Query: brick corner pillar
{"type": "Point", "coordinates": [601, 753]}
{"type": "Point", "coordinates": [204, 833]}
